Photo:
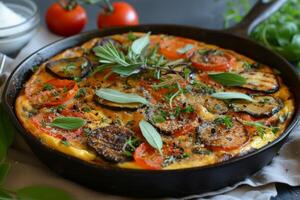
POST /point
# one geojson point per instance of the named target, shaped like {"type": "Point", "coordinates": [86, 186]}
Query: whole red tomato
{"type": "Point", "coordinates": [123, 14]}
{"type": "Point", "coordinates": [65, 21]}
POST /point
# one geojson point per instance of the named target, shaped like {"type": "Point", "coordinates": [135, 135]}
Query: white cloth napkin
{"type": "Point", "coordinates": [27, 170]}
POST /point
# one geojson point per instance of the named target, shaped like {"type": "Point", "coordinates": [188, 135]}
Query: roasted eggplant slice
{"type": "Point", "coordinates": [69, 68]}
{"type": "Point", "coordinates": [262, 106]}
{"type": "Point", "coordinates": [109, 142]}
{"type": "Point", "coordinates": [216, 136]}
{"type": "Point", "coordinates": [214, 105]}
{"type": "Point", "coordinates": [260, 81]}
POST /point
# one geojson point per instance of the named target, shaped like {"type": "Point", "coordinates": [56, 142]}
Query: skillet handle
{"type": "Point", "coordinates": [260, 11]}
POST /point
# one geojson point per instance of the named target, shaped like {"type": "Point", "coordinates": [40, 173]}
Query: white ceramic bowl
{"type": "Point", "coordinates": [13, 38]}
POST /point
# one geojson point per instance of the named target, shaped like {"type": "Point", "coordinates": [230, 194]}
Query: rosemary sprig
{"type": "Point", "coordinates": [139, 57]}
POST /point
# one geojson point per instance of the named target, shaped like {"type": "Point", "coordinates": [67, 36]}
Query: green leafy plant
{"type": "Point", "coordinates": [228, 79]}
{"type": "Point", "coordinates": [26, 193]}
{"type": "Point", "coordinates": [231, 95]}
{"type": "Point", "coordinates": [68, 123]}
{"type": "Point", "coordinates": [281, 31]}
{"type": "Point", "coordinates": [235, 11]}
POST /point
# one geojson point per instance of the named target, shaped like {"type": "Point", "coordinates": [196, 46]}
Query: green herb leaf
{"type": "Point", "coordinates": [226, 120]}
{"type": "Point", "coordinates": [4, 168]}
{"type": "Point", "coordinates": [120, 97]}
{"type": "Point", "coordinates": [68, 123]}
{"type": "Point", "coordinates": [46, 192]}
{"type": "Point", "coordinates": [151, 135]}
{"type": "Point", "coordinates": [231, 95]}
{"type": "Point", "coordinates": [185, 49]}
{"type": "Point", "coordinates": [126, 71]}
{"type": "Point", "coordinates": [139, 44]}
{"type": "Point", "coordinates": [228, 79]}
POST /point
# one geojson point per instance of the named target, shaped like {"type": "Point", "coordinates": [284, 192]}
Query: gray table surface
{"type": "Point", "coordinates": [201, 13]}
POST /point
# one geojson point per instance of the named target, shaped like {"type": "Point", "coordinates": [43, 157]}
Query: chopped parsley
{"type": "Point", "coordinates": [130, 145]}
{"type": "Point", "coordinates": [81, 93]}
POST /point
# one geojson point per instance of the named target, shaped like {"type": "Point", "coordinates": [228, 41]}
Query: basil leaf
{"type": "Point", "coordinates": [119, 97]}
{"type": "Point", "coordinates": [151, 135]}
{"type": "Point", "coordinates": [4, 168]}
{"type": "Point", "coordinates": [231, 95]}
{"type": "Point", "coordinates": [42, 192]}
{"type": "Point", "coordinates": [139, 44]}
{"type": "Point", "coordinates": [68, 123]}
{"type": "Point", "coordinates": [228, 79]}
{"type": "Point", "coordinates": [185, 49]}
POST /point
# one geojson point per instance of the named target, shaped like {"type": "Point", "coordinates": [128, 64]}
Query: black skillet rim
{"type": "Point", "coordinates": [295, 119]}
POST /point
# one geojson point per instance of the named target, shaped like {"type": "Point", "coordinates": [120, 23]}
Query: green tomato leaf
{"type": "Point", "coordinates": [231, 95]}
{"type": "Point", "coordinates": [4, 169]}
{"type": "Point", "coordinates": [228, 79]}
{"type": "Point", "coordinates": [139, 44]}
{"type": "Point", "coordinates": [68, 123]}
{"type": "Point", "coordinates": [151, 135]}
{"type": "Point", "coordinates": [42, 192]}
{"type": "Point", "coordinates": [119, 97]}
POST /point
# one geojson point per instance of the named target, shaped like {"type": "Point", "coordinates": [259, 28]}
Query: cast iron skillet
{"type": "Point", "coordinates": [147, 183]}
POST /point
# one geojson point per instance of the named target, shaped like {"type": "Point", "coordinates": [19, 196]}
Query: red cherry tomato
{"type": "Point", "coordinates": [146, 157]}
{"type": "Point", "coordinates": [213, 61]}
{"type": "Point", "coordinates": [65, 22]}
{"type": "Point", "coordinates": [123, 14]}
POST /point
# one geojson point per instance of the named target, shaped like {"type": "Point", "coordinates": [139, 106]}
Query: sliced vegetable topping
{"type": "Point", "coordinates": [219, 137]}
{"type": "Point", "coordinates": [212, 60]}
{"type": "Point", "coordinates": [146, 157]}
{"type": "Point", "coordinates": [54, 92]}
{"type": "Point", "coordinates": [231, 95]}
{"type": "Point", "coordinates": [175, 47]}
{"type": "Point", "coordinates": [110, 142]}
{"type": "Point", "coordinates": [260, 81]}
{"type": "Point", "coordinates": [261, 106]}
{"type": "Point", "coordinates": [69, 68]}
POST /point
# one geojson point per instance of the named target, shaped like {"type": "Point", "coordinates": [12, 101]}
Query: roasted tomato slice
{"type": "Point", "coordinates": [54, 92]}
{"type": "Point", "coordinates": [41, 121]}
{"type": "Point", "coordinates": [146, 157]}
{"type": "Point", "coordinates": [170, 47]}
{"type": "Point", "coordinates": [212, 60]}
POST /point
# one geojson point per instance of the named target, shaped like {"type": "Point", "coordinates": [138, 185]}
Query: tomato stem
{"type": "Point", "coordinates": [108, 5]}
{"type": "Point", "coordinates": [69, 4]}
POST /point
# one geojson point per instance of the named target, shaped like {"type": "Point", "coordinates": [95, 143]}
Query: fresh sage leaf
{"type": "Point", "coordinates": [42, 192]}
{"type": "Point", "coordinates": [139, 44]}
{"type": "Point", "coordinates": [119, 97]}
{"type": "Point", "coordinates": [231, 95]}
{"type": "Point", "coordinates": [228, 79]}
{"type": "Point", "coordinates": [4, 169]}
{"type": "Point", "coordinates": [68, 123]}
{"type": "Point", "coordinates": [185, 49]}
{"type": "Point", "coordinates": [151, 135]}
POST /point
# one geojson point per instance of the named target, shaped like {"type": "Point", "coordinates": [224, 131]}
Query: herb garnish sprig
{"type": "Point", "coordinates": [138, 58]}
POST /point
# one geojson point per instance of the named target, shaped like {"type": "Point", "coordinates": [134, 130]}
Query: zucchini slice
{"type": "Point", "coordinates": [69, 68]}
{"type": "Point", "coordinates": [262, 106]}
{"type": "Point", "coordinates": [260, 81]}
